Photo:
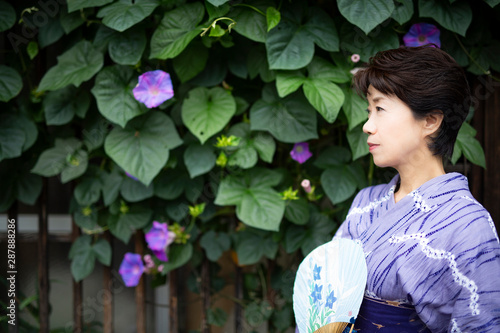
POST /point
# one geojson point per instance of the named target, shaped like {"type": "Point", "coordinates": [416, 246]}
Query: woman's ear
{"type": "Point", "coordinates": [433, 122]}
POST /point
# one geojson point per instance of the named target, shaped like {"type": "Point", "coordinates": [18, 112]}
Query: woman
{"type": "Point", "coordinates": [432, 251]}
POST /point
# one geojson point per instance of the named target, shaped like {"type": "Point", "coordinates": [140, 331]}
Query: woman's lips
{"type": "Point", "coordinates": [372, 146]}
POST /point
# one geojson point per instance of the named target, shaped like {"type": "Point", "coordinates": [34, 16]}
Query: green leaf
{"type": "Point", "coordinates": [217, 3]}
{"type": "Point", "coordinates": [60, 106]}
{"type": "Point", "coordinates": [249, 247]}
{"type": "Point", "coordinates": [321, 29]}
{"type": "Point", "coordinates": [178, 255]}
{"type": "Point", "coordinates": [355, 41]}
{"type": "Point", "coordinates": [134, 191]}
{"type": "Point", "coordinates": [470, 147]}
{"type": "Point", "coordinates": [288, 82]}
{"type": "Point", "coordinates": [245, 157]}
{"type": "Point", "coordinates": [250, 23]}
{"type": "Point", "coordinates": [7, 16]}
{"type": "Point", "coordinates": [123, 14]}
{"type": "Point", "coordinates": [81, 245]}
{"type": "Point", "coordinates": [290, 120]}
{"type": "Point", "coordinates": [32, 49]}
{"type": "Point", "coordinates": [86, 221]}
{"type": "Point", "coordinates": [102, 251]}
{"type": "Point", "coordinates": [457, 152]}
{"type": "Point", "coordinates": [17, 121]}
{"type": "Point", "coordinates": [256, 314]}
{"type": "Point", "coordinates": [297, 211]}
{"type": "Point", "coordinates": [318, 232]}
{"type": "Point", "coordinates": [50, 32]}
{"type": "Point", "coordinates": [11, 83]}
{"type": "Point", "coordinates": [199, 159]}
{"type": "Point", "coordinates": [217, 317]}
{"type": "Point", "coordinates": [455, 17]}
{"type": "Point", "coordinates": [76, 167]}
{"type": "Point", "coordinates": [319, 68]}
{"type": "Point", "coordinates": [71, 21]}
{"type": "Point", "coordinates": [273, 17]}
{"type": "Point", "coordinates": [111, 183]}
{"type": "Point", "coordinates": [326, 97]}
{"type": "Point", "coordinates": [83, 258]}
{"type": "Point", "coordinates": [283, 43]}
{"type": "Point", "coordinates": [215, 244]}
{"type": "Point", "coordinates": [74, 5]}
{"type": "Point", "coordinates": [492, 3]}
{"type": "Point", "coordinates": [261, 208]}
{"type": "Point", "coordinates": [74, 66]}
{"type": "Point", "coordinates": [366, 14]}
{"type": "Point", "coordinates": [333, 156]}
{"type": "Point", "coordinates": [354, 108]}
{"type": "Point", "coordinates": [357, 141]}
{"type": "Point", "coordinates": [11, 142]}
{"type": "Point", "coordinates": [403, 11]}
{"type": "Point", "coordinates": [294, 237]}
{"type": "Point", "coordinates": [142, 147]}
{"type": "Point", "coordinates": [170, 184]}
{"type": "Point", "coordinates": [217, 31]}
{"type": "Point", "coordinates": [191, 61]}
{"type": "Point", "coordinates": [113, 93]}
{"type": "Point", "coordinates": [257, 65]}
{"type": "Point", "coordinates": [215, 12]}
{"type": "Point", "coordinates": [265, 146]}
{"type": "Point", "coordinates": [29, 187]}
{"type": "Point", "coordinates": [176, 30]}
{"type": "Point", "coordinates": [231, 191]}
{"type": "Point", "coordinates": [88, 191]}
{"type": "Point", "coordinates": [127, 47]}
{"type": "Point", "coordinates": [122, 226]}
{"type": "Point", "coordinates": [206, 111]}
{"type": "Point", "coordinates": [339, 183]}
{"type": "Point", "coordinates": [58, 160]}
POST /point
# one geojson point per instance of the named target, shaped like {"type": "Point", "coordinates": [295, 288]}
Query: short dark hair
{"type": "Point", "coordinates": [426, 79]}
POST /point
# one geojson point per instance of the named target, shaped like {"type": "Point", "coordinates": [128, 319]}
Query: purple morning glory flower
{"type": "Point", "coordinates": [154, 88]}
{"type": "Point", "coordinates": [131, 269]}
{"type": "Point", "coordinates": [422, 34]}
{"type": "Point", "coordinates": [300, 152]}
{"type": "Point", "coordinates": [330, 299]}
{"type": "Point", "coordinates": [316, 271]}
{"type": "Point", "coordinates": [316, 293]}
{"type": "Point", "coordinates": [158, 238]}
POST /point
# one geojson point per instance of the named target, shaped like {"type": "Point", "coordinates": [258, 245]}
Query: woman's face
{"type": "Point", "coordinates": [395, 138]}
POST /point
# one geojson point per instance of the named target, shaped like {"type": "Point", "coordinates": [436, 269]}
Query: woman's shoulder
{"type": "Point", "coordinates": [377, 192]}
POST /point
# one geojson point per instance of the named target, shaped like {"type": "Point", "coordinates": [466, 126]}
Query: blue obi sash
{"type": "Point", "coordinates": [378, 316]}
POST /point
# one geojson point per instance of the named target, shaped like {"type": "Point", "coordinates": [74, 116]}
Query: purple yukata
{"type": "Point", "coordinates": [436, 249]}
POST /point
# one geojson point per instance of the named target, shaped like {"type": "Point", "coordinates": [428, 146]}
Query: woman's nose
{"type": "Point", "coordinates": [369, 127]}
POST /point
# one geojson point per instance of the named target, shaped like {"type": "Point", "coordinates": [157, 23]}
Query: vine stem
{"type": "Point", "coordinates": [252, 7]}
{"type": "Point", "coordinates": [485, 72]}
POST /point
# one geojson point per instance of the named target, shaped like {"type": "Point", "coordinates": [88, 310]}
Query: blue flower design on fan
{"type": "Point", "coordinates": [316, 293]}
{"type": "Point", "coordinates": [330, 299]}
{"type": "Point", "coordinates": [316, 272]}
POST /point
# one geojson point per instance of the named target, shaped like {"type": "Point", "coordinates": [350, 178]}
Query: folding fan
{"type": "Point", "coordinates": [329, 287]}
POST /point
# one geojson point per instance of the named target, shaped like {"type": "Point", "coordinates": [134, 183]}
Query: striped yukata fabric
{"type": "Point", "coordinates": [436, 249]}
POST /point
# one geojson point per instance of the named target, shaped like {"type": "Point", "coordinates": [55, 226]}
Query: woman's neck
{"type": "Point", "coordinates": [413, 176]}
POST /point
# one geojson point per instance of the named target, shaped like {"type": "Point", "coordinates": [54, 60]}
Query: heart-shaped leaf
{"type": "Point", "coordinates": [113, 93]}
{"type": "Point", "coordinates": [60, 106]}
{"type": "Point", "coordinates": [199, 159]}
{"type": "Point", "coordinates": [142, 147]}
{"type": "Point", "coordinates": [127, 48]}
{"type": "Point", "coordinates": [123, 14]}
{"type": "Point", "coordinates": [366, 14]}
{"type": "Point", "coordinates": [206, 111]}
{"type": "Point", "coordinates": [74, 66]}
{"type": "Point", "coordinates": [176, 30]}
{"type": "Point", "coordinates": [11, 83]}
{"type": "Point", "coordinates": [7, 16]}
{"type": "Point", "coordinates": [455, 16]}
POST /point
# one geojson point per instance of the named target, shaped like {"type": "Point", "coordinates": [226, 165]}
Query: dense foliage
{"type": "Point", "coordinates": [250, 79]}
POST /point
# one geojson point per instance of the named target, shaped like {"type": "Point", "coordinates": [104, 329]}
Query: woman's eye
{"type": "Point", "coordinates": [368, 111]}
{"type": "Point", "coordinates": [378, 108]}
